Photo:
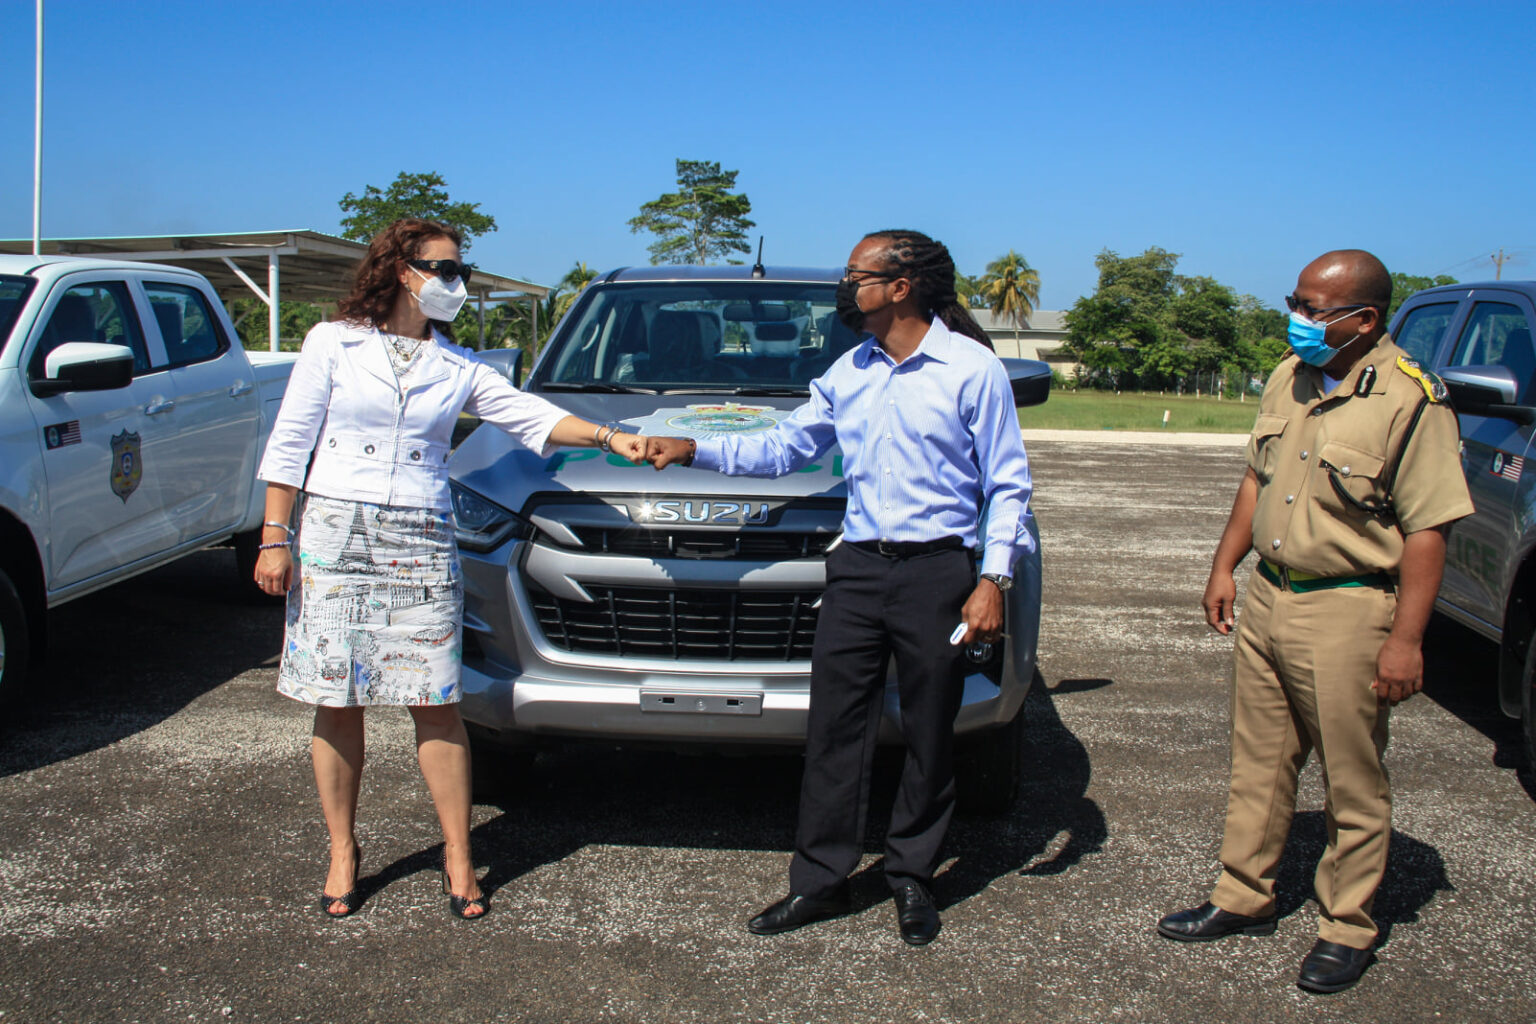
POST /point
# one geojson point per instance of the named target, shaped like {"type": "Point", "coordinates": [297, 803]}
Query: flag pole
{"type": "Point", "coordinates": [37, 145]}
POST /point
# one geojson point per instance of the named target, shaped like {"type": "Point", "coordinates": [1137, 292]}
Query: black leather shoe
{"type": "Point", "coordinates": [796, 911]}
{"type": "Point", "coordinates": [916, 914]}
{"type": "Point", "coordinates": [1332, 967]}
{"type": "Point", "coordinates": [1208, 921]}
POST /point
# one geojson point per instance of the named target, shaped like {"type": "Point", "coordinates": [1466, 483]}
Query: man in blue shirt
{"type": "Point", "coordinates": [925, 417]}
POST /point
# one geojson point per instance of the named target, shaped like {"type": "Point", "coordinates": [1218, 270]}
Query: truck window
{"type": "Point", "coordinates": [190, 331]}
{"type": "Point", "coordinates": [13, 295]}
{"type": "Point", "coordinates": [92, 312]}
{"type": "Point", "coordinates": [1498, 334]}
{"type": "Point", "coordinates": [1422, 328]}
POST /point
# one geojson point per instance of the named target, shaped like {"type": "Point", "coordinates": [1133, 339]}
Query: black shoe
{"type": "Point", "coordinates": [1332, 967]}
{"type": "Point", "coordinates": [916, 914]}
{"type": "Point", "coordinates": [354, 897]}
{"type": "Point", "coordinates": [1208, 921]}
{"type": "Point", "coordinates": [795, 911]}
{"type": "Point", "coordinates": [458, 904]}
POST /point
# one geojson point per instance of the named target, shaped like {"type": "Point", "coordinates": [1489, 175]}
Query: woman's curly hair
{"type": "Point", "coordinates": [376, 281]}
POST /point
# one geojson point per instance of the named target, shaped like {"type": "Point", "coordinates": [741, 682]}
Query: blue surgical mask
{"type": "Point", "coordinates": [1306, 338]}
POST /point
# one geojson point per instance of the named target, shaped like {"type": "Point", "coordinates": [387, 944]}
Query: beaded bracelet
{"type": "Point", "coordinates": [274, 544]}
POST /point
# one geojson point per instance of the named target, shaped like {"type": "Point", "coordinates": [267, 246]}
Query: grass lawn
{"type": "Point", "coordinates": [1134, 410]}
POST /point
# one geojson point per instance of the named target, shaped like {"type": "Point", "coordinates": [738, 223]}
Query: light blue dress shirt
{"type": "Point", "coordinates": [927, 444]}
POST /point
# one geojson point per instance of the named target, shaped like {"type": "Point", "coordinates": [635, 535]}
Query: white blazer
{"type": "Point", "coordinates": [372, 443]}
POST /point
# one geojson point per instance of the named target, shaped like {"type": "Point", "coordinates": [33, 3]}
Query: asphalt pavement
{"type": "Point", "coordinates": [161, 848]}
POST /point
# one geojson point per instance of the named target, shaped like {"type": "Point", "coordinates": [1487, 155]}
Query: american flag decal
{"type": "Point", "coordinates": [1507, 466]}
{"type": "Point", "coordinates": [57, 435]}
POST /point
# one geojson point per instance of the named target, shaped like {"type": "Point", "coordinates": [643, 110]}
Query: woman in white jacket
{"type": "Point", "coordinates": [375, 609]}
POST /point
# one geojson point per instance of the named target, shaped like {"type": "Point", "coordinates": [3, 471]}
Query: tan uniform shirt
{"type": "Point", "coordinates": [1307, 448]}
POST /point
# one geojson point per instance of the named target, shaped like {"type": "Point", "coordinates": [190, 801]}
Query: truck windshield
{"type": "Point", "coordinates": [13, 295]}
{"type": "Point", "coordinates": [699, 336]}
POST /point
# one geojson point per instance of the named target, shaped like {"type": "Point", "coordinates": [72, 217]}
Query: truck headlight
{"type": "Point", "coordinates": [482, 525]}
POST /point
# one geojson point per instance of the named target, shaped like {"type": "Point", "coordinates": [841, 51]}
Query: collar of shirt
{"type": "Point", "coordinates": [935, 345]}
{"type": "Point", "coordinates": [1379, 355]}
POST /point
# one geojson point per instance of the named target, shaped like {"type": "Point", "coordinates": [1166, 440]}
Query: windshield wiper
{"type": "Point", "coordinates": [726, 389]}
{"type": "Point", "coordinates": [593, 387]}
{"type": "Point", "coordinates": [773, 390]}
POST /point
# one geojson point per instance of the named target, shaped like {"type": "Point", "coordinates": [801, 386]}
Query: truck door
{"type": "Point", "coordinates": [210, 457]}
{"type": "Point", "coordinates": [100, 453]}
{"type": "Point", "coordinates": [1496, 331]}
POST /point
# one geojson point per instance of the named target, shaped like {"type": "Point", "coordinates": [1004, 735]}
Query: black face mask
{"type": "Point", "coordinates": [848, 310]}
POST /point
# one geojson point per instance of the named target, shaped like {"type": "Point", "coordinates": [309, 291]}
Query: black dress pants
{"type": "Point", "coordinates": [876, 606]}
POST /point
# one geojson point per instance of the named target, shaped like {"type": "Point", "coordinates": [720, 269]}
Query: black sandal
{"type": "Point", "coordinates": [352, 900]}
{"type": "Point", "coordinates": [458, 904]}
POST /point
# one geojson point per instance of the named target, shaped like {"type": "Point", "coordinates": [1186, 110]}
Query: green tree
{"type": "Point", "coordinates": [702, 221]}
{"type": "Point", "coordinates": [411, 195]}
{"type": "Point", "coordinates": [251, 316]}
{"type": "Point", "coordinates": [1404, 285]}
{"type": "Point", "coordinates": [1011, 288]}
{"type": "Point", "coordinates": [1111, 331]}
{"type": "Point", "coordinates": [969, 290]}
{"type": "Point", "coordinates": [573, 284]}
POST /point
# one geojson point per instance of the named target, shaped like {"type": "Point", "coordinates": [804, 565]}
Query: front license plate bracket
{"type": "Point", "coordinates": [695, 703]}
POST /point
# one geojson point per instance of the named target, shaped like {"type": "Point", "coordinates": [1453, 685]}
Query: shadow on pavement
{"type": "Point", "coordinates": [1415, 872]}
{"type": "Point", "coordinates": [1461, 674]}
{"type": "Point", "coordinates": [583, 794]}
{"type": "Point", "coordinates": [128, 657]}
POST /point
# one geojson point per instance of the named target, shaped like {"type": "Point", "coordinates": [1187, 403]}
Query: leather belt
{"type": "Point", "coordinates": [909, 548]}
{"type": "Point", "coordinates": [1303, 582]}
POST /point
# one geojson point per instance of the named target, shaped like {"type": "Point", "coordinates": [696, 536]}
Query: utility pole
{"type": "Point", "coordinates": [1499, 259]}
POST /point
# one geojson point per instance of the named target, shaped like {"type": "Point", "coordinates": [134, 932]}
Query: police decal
{"type": "Point", "coordinates": [127, 467]}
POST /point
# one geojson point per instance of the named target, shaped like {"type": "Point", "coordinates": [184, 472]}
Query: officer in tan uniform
{"type": "Point", "coordinates": [1353, 477]}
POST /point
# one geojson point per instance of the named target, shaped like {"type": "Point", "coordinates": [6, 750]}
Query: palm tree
{"type": "Point", "coordinates": [1011, 288]}
{"type": "Point", "coordinates": [571, 285]}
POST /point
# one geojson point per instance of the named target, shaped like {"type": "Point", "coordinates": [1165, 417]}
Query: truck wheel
{"type": "Point", "coordinates": [15, 640]}
{"type": "Point", "coordinates": [987, 769]}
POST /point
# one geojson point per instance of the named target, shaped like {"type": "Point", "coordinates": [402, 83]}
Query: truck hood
{"type": "Point", "coordinates": [492, 464]}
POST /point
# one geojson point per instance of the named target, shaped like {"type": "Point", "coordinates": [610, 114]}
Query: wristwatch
{"type": "Point", "coordinates": [1003, 583]}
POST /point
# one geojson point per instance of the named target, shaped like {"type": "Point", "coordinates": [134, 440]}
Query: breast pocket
{"type": "Point", "coordinates": [1267, 430]}
{"type": "Point", "coordinates": [1348, 480]}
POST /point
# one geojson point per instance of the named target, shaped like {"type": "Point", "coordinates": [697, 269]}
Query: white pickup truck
{"type": "Point", "coordinates": [131, 424]}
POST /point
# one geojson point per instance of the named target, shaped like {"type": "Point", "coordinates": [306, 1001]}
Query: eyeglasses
{"type": "Point", "coordinates": [446, 269]}
{"type": "Point", "coordinates": [867, 275]}
{"type": "Point", "coordinates": [1305, 308]}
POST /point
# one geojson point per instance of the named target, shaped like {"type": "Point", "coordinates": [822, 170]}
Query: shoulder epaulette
{"type": "Point", "coordinates": [1434, 387]}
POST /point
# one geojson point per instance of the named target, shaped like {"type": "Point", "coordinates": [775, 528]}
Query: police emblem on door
{"type": "Point", "coordinates": [127, 468]}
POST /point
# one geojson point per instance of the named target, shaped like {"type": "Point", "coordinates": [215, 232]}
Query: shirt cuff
{"type": "Point", "coordinates": [708, 453]}
{"type": "Point", "coordinates": [998, 561]}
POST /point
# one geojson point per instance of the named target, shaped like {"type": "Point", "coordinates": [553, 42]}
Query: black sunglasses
{"type": "Point", "coordinates": [1301, 306]}
{"type": "Point", "coordinates": [868, 275]}
{"type": "Point", "coordinates": [446, 269]}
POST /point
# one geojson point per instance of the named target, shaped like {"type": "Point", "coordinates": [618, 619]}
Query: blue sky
{"type": "Point", "coordinates": [1247, 137]}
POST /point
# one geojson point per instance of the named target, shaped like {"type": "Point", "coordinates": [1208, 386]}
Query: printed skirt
{"type": "Point", "coordinates": [376, 613]}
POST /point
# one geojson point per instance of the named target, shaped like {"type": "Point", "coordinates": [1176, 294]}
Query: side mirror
{"type": "Point", "coordinates": [506, 361]}
{"type": "Point", "coordinates": [84, 366]}
{"type": "Point", "coordinates": [1486, 391]}
{"type": "Point", "coordinates": [1031, 381]}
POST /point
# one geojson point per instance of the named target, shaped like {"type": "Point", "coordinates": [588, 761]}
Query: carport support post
{"type": "Point", "coordinates": [480, 310]}
{"type": "Point", "coordinates": [533, 339]}
{"type": "Point", "coordinates": [274, 328]}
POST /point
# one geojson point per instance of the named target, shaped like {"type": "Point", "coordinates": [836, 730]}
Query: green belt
{"type": "Point", "coordinates": [1305, 582]}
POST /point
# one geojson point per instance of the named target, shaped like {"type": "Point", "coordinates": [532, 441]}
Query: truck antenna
{"type": "Point", "coordinates": [757, 268]}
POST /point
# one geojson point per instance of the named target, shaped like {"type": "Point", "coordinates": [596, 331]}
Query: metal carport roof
{"type": "Point", "coordinates": [304, 265]}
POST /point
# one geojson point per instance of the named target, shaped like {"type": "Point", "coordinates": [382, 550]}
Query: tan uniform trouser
{"type": "Point", "coordinates": [1302, 681]}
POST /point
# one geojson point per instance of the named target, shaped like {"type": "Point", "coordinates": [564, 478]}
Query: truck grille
{"type": "Point", "coordinates": [687, 625]}
{"type": "Point", "coordinates": [763, 546]}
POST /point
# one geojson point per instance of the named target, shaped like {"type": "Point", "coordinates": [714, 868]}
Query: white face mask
{"type": "Point", "coordinates": [437, 300]}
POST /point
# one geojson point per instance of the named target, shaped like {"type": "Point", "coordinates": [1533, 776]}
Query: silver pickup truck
{"type": "Point", "coordinates": [603, 600]}
{"type": "Point", "coordinates": [1477, 337]}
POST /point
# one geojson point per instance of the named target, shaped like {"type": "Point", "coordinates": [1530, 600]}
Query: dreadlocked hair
{"type": "Point", "coordinates": [930, 268]}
